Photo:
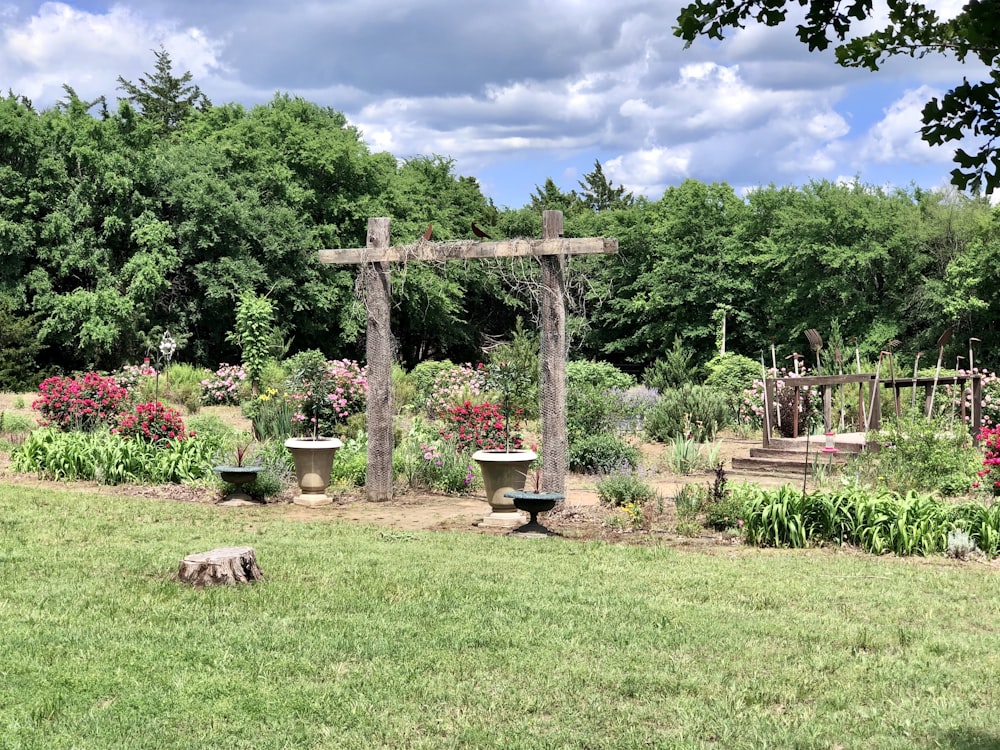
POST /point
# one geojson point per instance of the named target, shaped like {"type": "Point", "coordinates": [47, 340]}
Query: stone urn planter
{"type": "Point", "coordinates": [237, 476]}
{"type": "Point", "coordinates": [313, 464]}
{"type": "Point", "coordinates": [503, 472]}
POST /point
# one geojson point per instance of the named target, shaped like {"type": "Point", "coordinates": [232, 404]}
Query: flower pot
{"type": "Point", "coordinates": [503, 472]}
{"type": "Point", "coordinates": [313, 464]}
{"type": "Point", "coordinates": [237, 476]}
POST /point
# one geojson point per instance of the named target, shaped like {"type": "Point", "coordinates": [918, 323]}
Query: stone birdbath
{"type": "Point", "coordinates": [534, 503]}
{"type": "Point", "coordinates": [237, 476]}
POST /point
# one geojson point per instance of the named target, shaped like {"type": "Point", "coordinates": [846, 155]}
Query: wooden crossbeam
{"type": "Point", "coordinates": [471, 249]}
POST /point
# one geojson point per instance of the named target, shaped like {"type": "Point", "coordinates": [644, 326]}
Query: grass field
{"type": "Point", "coordinates": [365, 637]}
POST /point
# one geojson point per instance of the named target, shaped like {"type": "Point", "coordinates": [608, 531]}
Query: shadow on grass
{"type": "Point", "coordinates": [970, 740]}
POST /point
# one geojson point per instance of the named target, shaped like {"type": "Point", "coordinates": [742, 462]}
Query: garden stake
{"type": "Point", "coordinates": [916, 361]}
{"type": "Point", "coordinates": [951, 421]}
{"type": "Point", "coordinates": [942, 342]}
{"type": "Point", "coordinates": [815, 343]}
{"type": "Point", "coordinates": [874, 386]}
{"type": "Point", "coordinates": [838, 357]}
{"type": "Point", "coordinates": [861, 397]}
{"type": "Point", "coordinates": [774, 366]}
{"type": "Point", "coordinates": [892, 374]}
{"type": "Point", "coordinates": [971, 366]}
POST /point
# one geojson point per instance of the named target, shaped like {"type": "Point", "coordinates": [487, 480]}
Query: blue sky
{"type": "Point", "coordinates": [515, 91]}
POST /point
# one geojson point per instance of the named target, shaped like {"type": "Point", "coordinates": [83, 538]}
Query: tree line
{"type": "Point", "coordinates": [117, 224]}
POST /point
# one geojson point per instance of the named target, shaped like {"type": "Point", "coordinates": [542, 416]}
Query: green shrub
{"type": "Point", "coordinates": [181, 384]}
{"type": "Point", "coordinates": [693, 411]}
{"type": "Point", "coordinates": [621, 488]}
{"type": "Point", "coordinates": [424, 375]}
{"type": "Point", "coordinates": [673, 370]}
{"type": "Point", "coordinates": [16, 423]}
{"type": "Point", "coordinates": [602, 453]}
{"type": "Point", "coordinates": [600, 375]}
{"type": "Point", "coordinates": [724, 508]}
{"type": "Point", "coordinates": [589, 411]}
{"type": "Point", "coordinates": [918, 455]}
{"type": "Point", "coordinates": [271, 414]}
{"type": "Point", "coordinates": [732, 375]}
{"type": "Point", "coordinates": [351, 462]}
{"type": "Point", "coordinates": [690, 501]}
{"type": "Point", "coordinates": [404, 390]}
{"type": "Point", "coordinates": [209, 424]}
{"type": "Point", "coordinates": [278, 473]}
{"type": "Point", "coordinates": [522, 355]}
{"type": "Point", "coordinates": [687, 456]}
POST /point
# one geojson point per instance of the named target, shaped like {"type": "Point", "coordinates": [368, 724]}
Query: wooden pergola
{"type": "Point", "coordinates": [375, 259]}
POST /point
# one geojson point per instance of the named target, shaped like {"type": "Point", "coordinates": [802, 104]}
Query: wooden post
{"type": "Point", "coordinates": [378, 350]}
{"type": "Point", "coordinates": [768, 400]}
{"type": "Point", "coordinates": [553, 360]}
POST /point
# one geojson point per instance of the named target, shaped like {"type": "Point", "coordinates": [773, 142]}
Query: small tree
{"type": "Point", "coordinates": [253, 334]}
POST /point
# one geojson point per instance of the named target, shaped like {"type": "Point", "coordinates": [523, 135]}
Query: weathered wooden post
{"type": "Point", "coordinates": [551, 251]}
{"type": "Point", "coordinates": [378, 349]}
{"type": "Point", "coordinates": [552, 306]}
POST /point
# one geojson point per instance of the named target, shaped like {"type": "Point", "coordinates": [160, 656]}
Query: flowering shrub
{"type": "Point", "coordinates": [810, 402]}
{"type": "Point", "coordinates": [990, 404]}
{"type": "Point", "coordinates": [80, 403]}
{"type": "Point", "coordinates": [473, 427]}
{"type": "Point", "coordinates": [324, 394]}
{"type": "Point", "coordinates": [130, 377]}
{"type": "Point", "coordinates": [425, 461]}
{"type": "Point", "coordinates": [153, 423]}
{"type": "Point", "coordinates": [223, 388]}
{"type": "Point", "coordinates": [989, 438]}
{"type": "Point", "coordinates": [455, 386]}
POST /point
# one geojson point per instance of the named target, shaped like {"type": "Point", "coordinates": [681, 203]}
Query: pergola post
{"type": "Point", "coordinates": [553, 353]}
{"type": "Point", "coordinates": [378, 350]}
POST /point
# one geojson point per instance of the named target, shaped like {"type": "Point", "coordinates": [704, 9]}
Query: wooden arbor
{"type": "Point", "coordinates": [551, 252]}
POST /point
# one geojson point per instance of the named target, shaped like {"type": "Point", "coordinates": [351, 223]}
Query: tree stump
{"type": "Point", "coordinates": [223, 566]}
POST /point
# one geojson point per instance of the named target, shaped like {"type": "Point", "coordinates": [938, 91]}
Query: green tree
{"type": "Point", "coordinates": [599, 194]}
{"type": "Point", "coordinates": [678, 260]}
{"type": "Point", "coordinates": [549, 197]}
{"type": "Point", "coordinates": [164, 98]}
{"type": "Point", "coordinates": [968, 109]}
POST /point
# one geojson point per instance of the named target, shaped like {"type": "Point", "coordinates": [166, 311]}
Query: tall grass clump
{"type": "Point", "coordinates": [879, 522]}
{"type": "Point", "coordinates": [109, 458]}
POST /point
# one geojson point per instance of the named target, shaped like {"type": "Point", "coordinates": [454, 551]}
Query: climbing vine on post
{"type": "Point", "coordinates": [254, 326]}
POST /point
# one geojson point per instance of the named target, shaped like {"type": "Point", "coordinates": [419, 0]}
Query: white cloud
{"type": "Point", "coordinates": [88, 51]}
{"type": "Point", "coordinates": [896, 138]}
{"type": "Point", "coordinates": [550, 85]}
{"type": "Point", "coordinates": [649, 171]}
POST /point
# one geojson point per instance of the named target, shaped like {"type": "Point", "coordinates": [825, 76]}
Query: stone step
{"type": "Point", "coordinates": [799, 456]}
{"type": "Point", "coordinates": [779, 465]}
{"type": "Point", "coordinates": [816, 442]}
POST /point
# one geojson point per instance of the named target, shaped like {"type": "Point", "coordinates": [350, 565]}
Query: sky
{"type": "Point", "coordinates": [515, 91]}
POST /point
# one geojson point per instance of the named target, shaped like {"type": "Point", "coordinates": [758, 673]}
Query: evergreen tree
{"type": "Point", "coordinates": [164, 98]}
{"type": "Point", "coordinates": [600, 195]}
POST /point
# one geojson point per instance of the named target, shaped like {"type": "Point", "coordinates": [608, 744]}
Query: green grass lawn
{"type": "Point", "coordinates": [365, 637]}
